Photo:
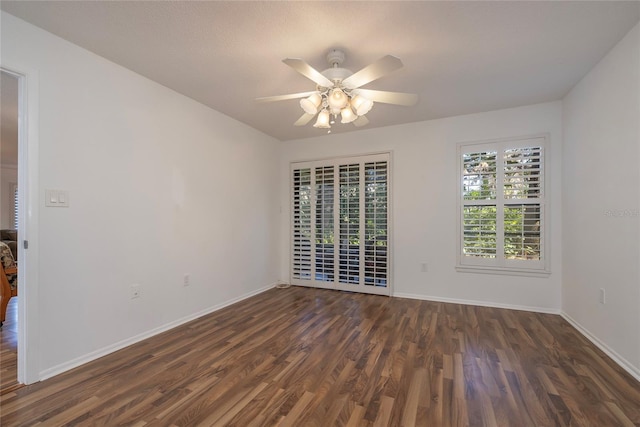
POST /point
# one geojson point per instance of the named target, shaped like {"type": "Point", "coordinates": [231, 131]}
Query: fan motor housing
{"type": "Point", "coordinates": [335, 57]}
{"type": "Point", "coordinates": [336, 74]}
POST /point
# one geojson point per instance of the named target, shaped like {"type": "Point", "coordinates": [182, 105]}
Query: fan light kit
{"type": "Point", "coordinates": [338, 91]}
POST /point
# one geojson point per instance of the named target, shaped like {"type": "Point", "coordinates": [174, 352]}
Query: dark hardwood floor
{"type": "Point", "coordinates": [307, 357]}
{"type": "Point", "coordinates": [9, 349]}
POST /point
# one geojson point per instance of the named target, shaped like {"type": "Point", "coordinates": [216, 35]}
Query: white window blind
{"type": "Point", "coordinates": [343, 204]}
{"type": "Point", "coordinates": [502, 203]}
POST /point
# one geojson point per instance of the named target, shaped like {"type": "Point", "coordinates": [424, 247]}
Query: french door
{"type": "Point", "coordinates": [340, 224]}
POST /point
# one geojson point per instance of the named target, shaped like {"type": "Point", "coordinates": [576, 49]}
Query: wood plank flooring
{"type": "Point", "coordinates": [9, 349]}
{"type": "Point", "coordinates": [308, 357]}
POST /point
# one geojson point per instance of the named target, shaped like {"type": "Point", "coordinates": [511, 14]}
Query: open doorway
{"type": "Point", "coordinates": [9, 218]}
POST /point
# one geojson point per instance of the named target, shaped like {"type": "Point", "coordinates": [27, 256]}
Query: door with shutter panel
{"type": "Point", "coordinates": [340, 224]}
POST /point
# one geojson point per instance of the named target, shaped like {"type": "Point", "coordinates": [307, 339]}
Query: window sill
{"type": "Point", "coordinates": [502, 271]}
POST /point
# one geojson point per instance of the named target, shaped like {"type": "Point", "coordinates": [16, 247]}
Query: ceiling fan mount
{"type": "Point", "coordinates": [338, 91]}
{"type": "Point", "coordinates": [335, 57]}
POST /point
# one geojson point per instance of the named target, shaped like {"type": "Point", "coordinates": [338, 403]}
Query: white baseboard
{"type": "Point", "coordinates": [479, 303]}
{"type": "Point", "coordinates": [634, 371]}
{"type": "Point", "coordinates": [63, 367]}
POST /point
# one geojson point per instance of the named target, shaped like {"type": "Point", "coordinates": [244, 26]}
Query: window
{"type": "Point", "coordinates": [502, 205]}
{"type": "Point", "coordinates": [340, 224]}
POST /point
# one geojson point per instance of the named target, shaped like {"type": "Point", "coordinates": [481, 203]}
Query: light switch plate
{"type": "Point", "coordinates": [56, 198]}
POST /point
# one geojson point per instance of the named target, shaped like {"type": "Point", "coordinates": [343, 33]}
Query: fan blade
{"type": "Point", "coordinates": [397, 98]}
{"type": "Point", "coordinates": [308, 71]}
{"type": "Point", "coordinates": [304, 119]}
{"type": "Point", "coordinates": [284, 97]}
{"type": "Point", "coordinates": [372, 72]}
{"type": "Point", "coordinates": [360, 121]}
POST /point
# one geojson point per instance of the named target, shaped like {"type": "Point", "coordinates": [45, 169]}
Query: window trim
{"type": "Point", "coordinates": [501, 265]}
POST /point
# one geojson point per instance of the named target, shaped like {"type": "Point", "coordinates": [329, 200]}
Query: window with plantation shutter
{"type": "Point", "coordinates": [340, 220]}
{"type": "Point", "coordinates": [502, 204]}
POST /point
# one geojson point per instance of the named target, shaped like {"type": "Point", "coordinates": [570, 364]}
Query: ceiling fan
{"type": "Point", "coordinates": [338, 91]}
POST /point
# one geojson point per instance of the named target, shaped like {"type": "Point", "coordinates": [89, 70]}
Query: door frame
{"type": "Point", "coordinates": [28, 320]}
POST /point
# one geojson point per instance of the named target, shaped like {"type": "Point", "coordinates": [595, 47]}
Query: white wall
{"type": "Point", "coordinates": [8, 178]}
{"type": "Point", "coordinates": [601, 202]}
{"type": "Point", "coordinates": [159, 186]}
{"type": "Point", "coordinates": [424, 202]}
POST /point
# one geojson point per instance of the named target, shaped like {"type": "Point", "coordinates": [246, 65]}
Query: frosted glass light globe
{"type": "Point", "coordinates": [311, 104]}
{"type": "Point", "coordinates": [337, 99]}
{"type": "Point", "coordinates": [323, 120]}
{"type": "Point", "coordinates": [347, 115]}
{"type": "Point", "coordinates": [361, 105]}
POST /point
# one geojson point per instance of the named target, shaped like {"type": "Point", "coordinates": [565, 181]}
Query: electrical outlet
{"type": "Point", "coordinates": [187, 280]}
{"type": "Point", "coordinates": [423, 267]}
{"type": "Point", "coordinates": [603, 296]}
{"type": "Point", "coordinates": [136, 291]}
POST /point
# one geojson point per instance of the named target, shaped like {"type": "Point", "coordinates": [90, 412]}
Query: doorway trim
{"type": "Point", "coordinates": [28, 319]}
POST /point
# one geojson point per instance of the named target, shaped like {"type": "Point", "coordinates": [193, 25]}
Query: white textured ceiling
{"type": "Point", "coordinates": [459, 57]}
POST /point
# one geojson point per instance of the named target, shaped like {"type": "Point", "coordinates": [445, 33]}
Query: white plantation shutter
{"type": "Point", "coordinates": [523, 173]}
{"type": "Point", "coordinates": [349, 258]}
{"type": "Point", "coordinates": [523, 191]}
{"type": "Point", "coordinates": [479, 191]}
{"type": "Point", "coordinates": [15, 206]}
{"type": "Point", "coordinates": [376, 222]}
{"type": "Point", "coordinates": [522, 231]}
{"type": "Point", "coordinates": [343, 205]}
{"type": "Point", "coordinates": [479, 231]}
{"type": "Point", "coordinates": [502, 205]}
{"type": "Point", "coordinates": [479, 175]}
{"type": "Point", "coordinates": [324, 223]}
{"type": "Point", "coordinates": [301, 253]}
